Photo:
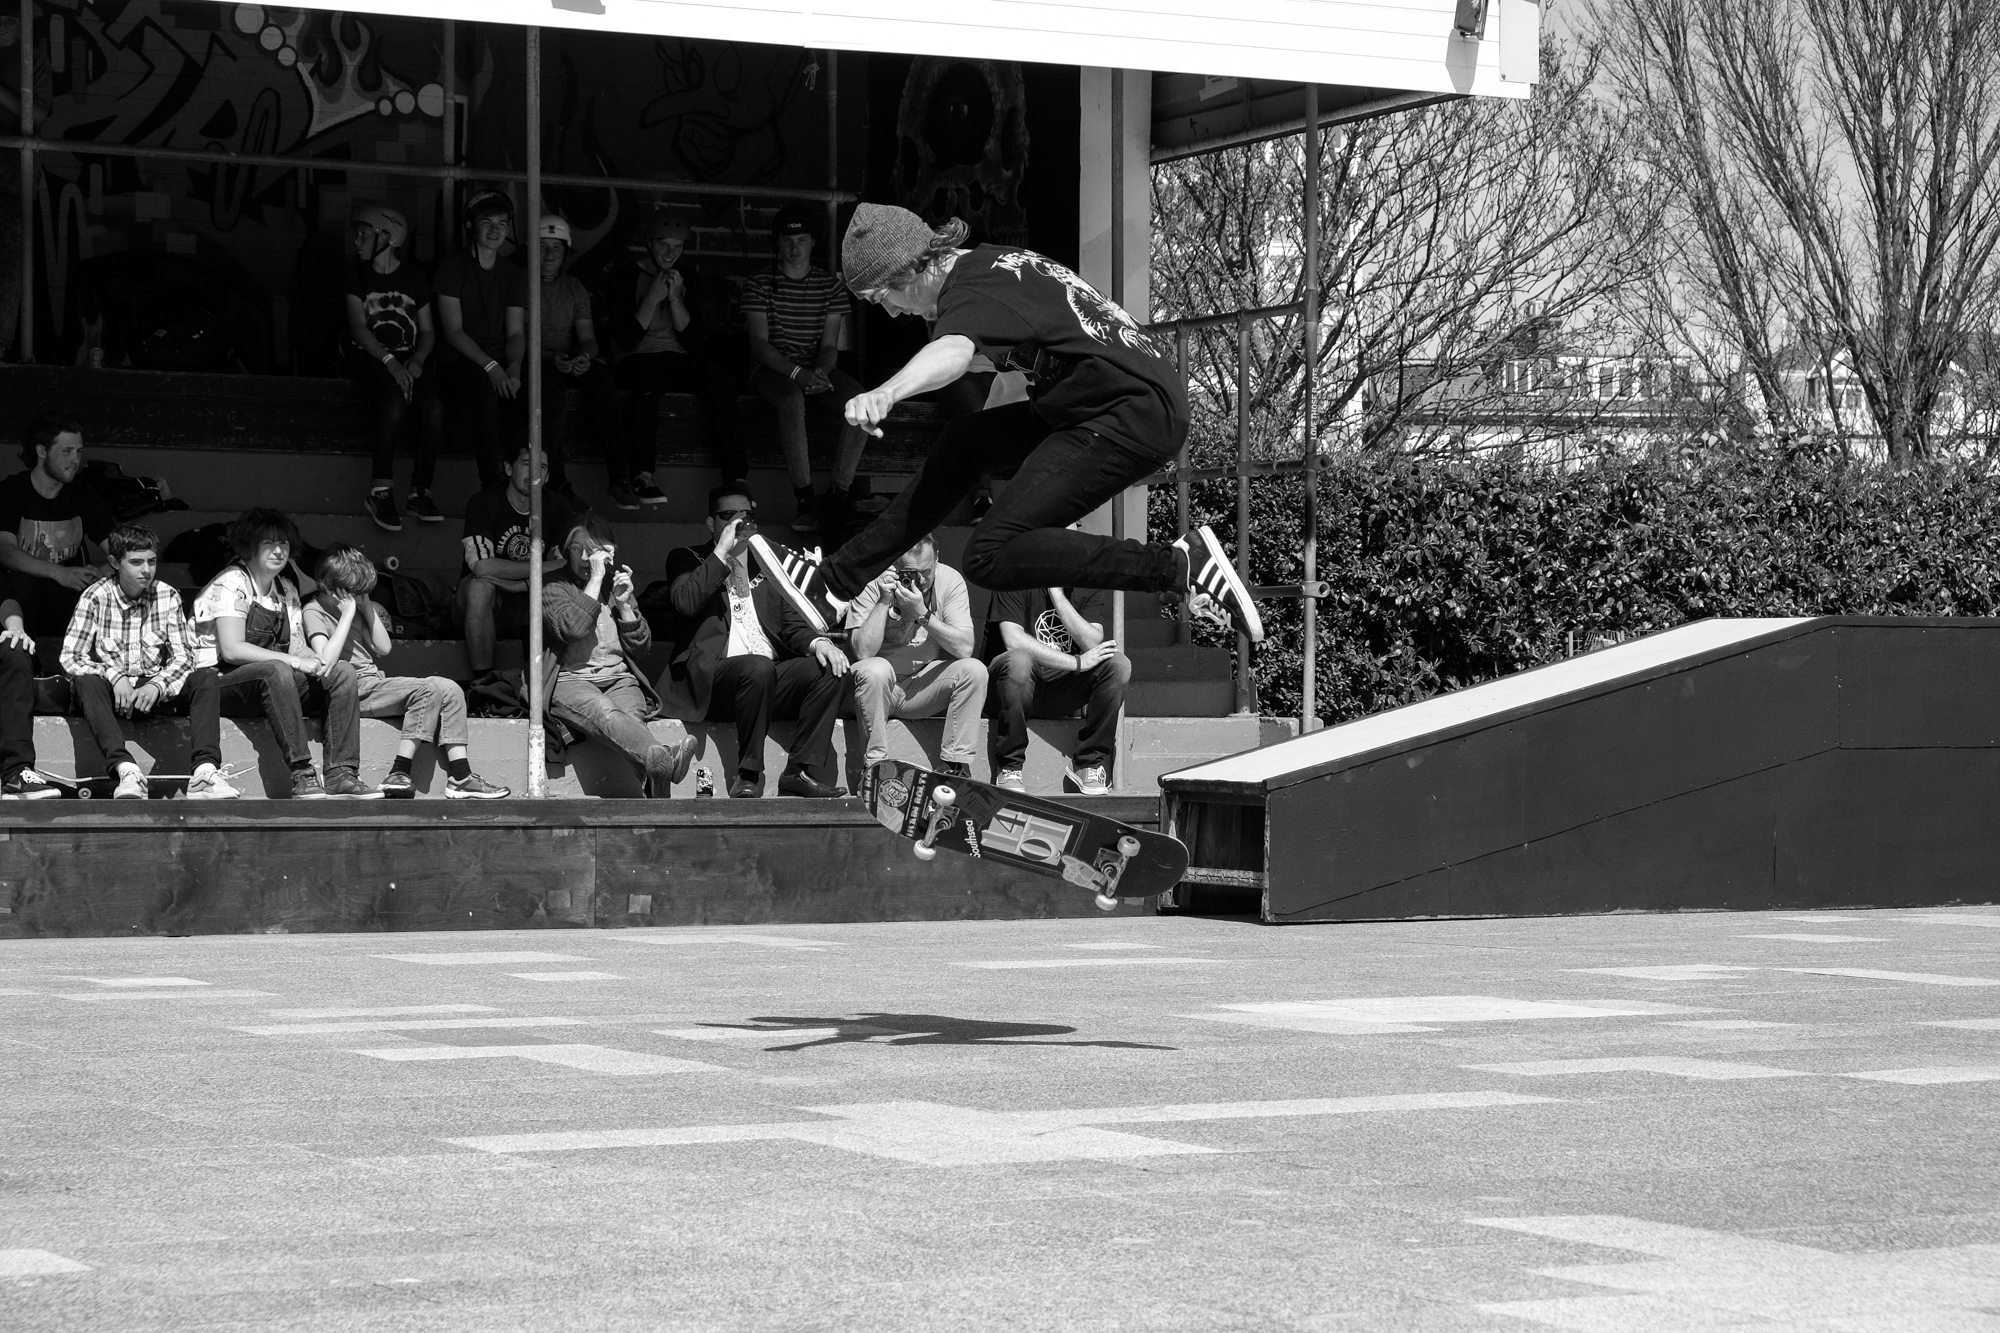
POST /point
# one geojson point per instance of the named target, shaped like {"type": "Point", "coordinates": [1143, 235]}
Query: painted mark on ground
{"type": "Point", "coordinates": [144, 981]}
{"type": "Point", "coordinates": [481, 959]}
{"type": "Point", "coordinates": [1938, 1074]}
{"type": "Point", "coordinates": [1413, 1013]}
{"type": "Point", "coordinates": [406, 1025]}
{"type": "Point", "coordinates": [1725, 1024]}
{"type": "Point", "coordinates": [1916, 978]}
{"type": "Point", "coordinates": [567, 976]}
{"type": "Point", "coordinates": [698, 937]}
{"type": "Point", "coordinates": [589, 1059]}
{"type": "Point", "coordinates": [1820, 939]}
{"type": "Point", "coordinates": [36, 1263]}
{"type": "Point", "coordinates": [1673, 972]}
{"type": "Point", "coordinates": [1674, 1066]}
{"type": "Point", "coordinates": [932, 1134]}
{"type": "Point", "coordinates": [393, 1011]}
{"type": "Point", "coordinates": [1712, 1280]}
{"type": "Point", "coordinates": [1013, 964]}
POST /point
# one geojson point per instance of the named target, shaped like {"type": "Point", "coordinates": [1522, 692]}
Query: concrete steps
{"type": "Point", "coordinates": [1153, 746]}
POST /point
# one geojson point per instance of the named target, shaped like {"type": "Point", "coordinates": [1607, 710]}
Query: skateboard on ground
{"type": "Point", "coordinates": [159, 786]}
{"type": "Point", "coordinates": [1110, 859]}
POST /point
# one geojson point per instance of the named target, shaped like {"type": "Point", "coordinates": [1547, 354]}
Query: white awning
{"type": "Point", "coordinates": [1395, 45]}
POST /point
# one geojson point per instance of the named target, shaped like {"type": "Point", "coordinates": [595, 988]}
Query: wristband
{"type": "Point", "coordinates": [794, 376]}
{"type": "Point", "coordinates": [388, 358]}
{"type": "Point", "coordinates": [490, 367]}
{"type": "Point", "coordinates": [1076, 662]}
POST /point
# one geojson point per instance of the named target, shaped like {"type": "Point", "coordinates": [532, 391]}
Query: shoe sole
{"type": "Point", "coordinates": [1083, 788]}
{"type": "Point", "coordinates": [311, 796]}
{"type": "Point", "coordinates": [355, 796]}
{"type": "Point", "coordinates": [662, 500]}
{"type": "Point", "coordinates": [774, 570]}
{"type": "Point", "coordinates": [213, 796]}
{"type": "Point", "coordinates": [500, 795]}
{"type": "Point", "coordinates": [1253, 623]}
{"type": "Point", "coordinates": [409, 795]}
{"type": "Point", "coordinates": [428, 518]}
{"type": "Point", "coordinates": [631, 505]}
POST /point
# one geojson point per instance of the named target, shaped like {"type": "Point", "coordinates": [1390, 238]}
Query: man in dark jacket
{"type": "Point", "coordinates": [745, 657]}
{"type": "Point", "coordinates": [592, 628]}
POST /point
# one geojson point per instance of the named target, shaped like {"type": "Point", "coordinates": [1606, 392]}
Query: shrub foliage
{"type": "Point", "coordinates": [1447, 574]}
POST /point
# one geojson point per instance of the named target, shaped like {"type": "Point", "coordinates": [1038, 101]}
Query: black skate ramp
{"type": "Point", "coordinates": [1726, 764]}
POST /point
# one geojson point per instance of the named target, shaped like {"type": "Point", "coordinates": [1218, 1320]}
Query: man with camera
{"type": "Point", "coordinates": [911, 631]}
{"type": "Point", "coordinates": [745, 657]}
{"type": "Point", "coordinates": [592, 628]}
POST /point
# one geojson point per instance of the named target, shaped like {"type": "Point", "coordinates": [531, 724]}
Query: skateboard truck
{"type": "Point", "coordinates": [942, 801]}
{"type": "Point", "coordinates": [1112, 869]}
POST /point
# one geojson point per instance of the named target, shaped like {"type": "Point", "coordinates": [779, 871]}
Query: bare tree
{"type": "Point", "coordinates": [1455, 239]}
{"type": "Point", "coordinates": [1831, 170]}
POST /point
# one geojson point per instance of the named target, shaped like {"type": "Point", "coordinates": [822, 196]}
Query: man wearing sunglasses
{"type": "Point", "coordinates": [743, 656]}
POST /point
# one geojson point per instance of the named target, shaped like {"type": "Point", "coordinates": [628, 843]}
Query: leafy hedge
{"type": "Point", "coordinates": [1449, 574]}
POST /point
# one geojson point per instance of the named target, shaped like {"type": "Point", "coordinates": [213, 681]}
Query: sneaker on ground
{"type": "Point", "coordinates": [623, 495]}
{"type": "Point", "coordinates": [382, 508]}
{"type": "Point", "coordinates": [28, 785]}
{"type": "Point", "coordinates": [1214, 593]}
{"type": "Point", "coordinates": [1091, 780]}
{"type": "Point", "coordinates": [208, 784]}
{"type": "Point", "coordinates": [306, 785]}
{"type": "Point", "coordinates": [1012, 779]}
{"type": "Point", "coordinates": [472, 787]}
{"type": "Point", "coordinates": [648, 493]}
{"type": "Point", "coordinates": [424, 509]}
{"type": "Point", "coordinates": [342, 783]}
{"type": "Point", "coordinates": [399, 786]}
{"type": "Point", "coordinates": [131, 785]}
{"type": "Point", "coordinates": [795, 574]}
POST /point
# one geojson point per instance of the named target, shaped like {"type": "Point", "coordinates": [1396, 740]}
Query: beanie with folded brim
{"type": "Point", "coordinates": [882, 241]}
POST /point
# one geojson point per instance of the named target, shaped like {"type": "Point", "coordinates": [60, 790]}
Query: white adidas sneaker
{"type": "Point", "coordinates": [796, 574]}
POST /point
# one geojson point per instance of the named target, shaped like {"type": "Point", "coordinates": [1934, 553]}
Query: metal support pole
{"type": "Point", "coordinates": [448, 196]}
{"type": "Point", "coordinates": [1308, 686]}
{"type": "Point", "coordinates": [537, 751]}
{"type": "Point", "coordinates": [25, 345]}
{"type": "Point", "coordinates": [1246, 685]}
{"type": "Point", "coordinates": [832, 71]}
{"type": "Point", "coordinates": [1182, 500]}
{"type": "Point", "coordinates": [1118, 298]}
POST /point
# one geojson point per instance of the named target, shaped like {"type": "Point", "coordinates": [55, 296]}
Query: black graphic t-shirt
{"type": "Point", "coordinates": [1031, 609]}
{"type": "Point", "coordinates": [389, 303]}
{"type": "Point", "coordinates": [495, 529]}
{"type": "Point", "coordinates": [53, 530]}
{"type": "Point", "coordinates": [484, 296]}
{"type": "Point", "coordinates": [1013, 303]}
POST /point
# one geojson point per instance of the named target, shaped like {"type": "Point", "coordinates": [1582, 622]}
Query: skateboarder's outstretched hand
{"type": "Point", "coordinates": [868, 410]}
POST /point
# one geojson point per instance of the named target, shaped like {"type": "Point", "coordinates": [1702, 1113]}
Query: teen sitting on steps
{"type": "Point", "coordinates": [129, 653]}
{"type": "Point", "coordinates": [343, 624]}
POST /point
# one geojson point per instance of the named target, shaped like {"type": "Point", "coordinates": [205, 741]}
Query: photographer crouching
{"type": "Point", "coordinates": [593, 627]}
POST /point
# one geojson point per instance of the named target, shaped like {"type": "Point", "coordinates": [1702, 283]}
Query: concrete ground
{"type": "Point", "coordinates": [1755, 1121]}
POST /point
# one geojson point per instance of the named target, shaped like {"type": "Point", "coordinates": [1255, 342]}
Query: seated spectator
{"type": "Point", "coordinates": [649, 316]}
{"type": "Point", "coordinates": [19, 778]}
{"type": "Point", "coordinates": [129, 653]}
{"type": "Point", "coordinates": [570, 359]}
{"type": "Point", "coordinates": [793, 313]}
{"type": "Point", "coordinates": [248, 623]}
{"type": "Point", "coordinates": [493, 585]}
{"type": "Point", "coordinates": [482, 321]}
{"type": "Point", "coordinates": [747, 658]}
{"type": "Point", "coordinates": [390, 344]}
{"type": "Point", "coordinates": [1050, 658]}
{"type": "Point", "coordinates": [911, 631]}
{"type": "Point", "coordinates": [592, 627]}
{"type": "Point", "coordinates": [343, 624]}
{"type": "Point", "coordinates": [50, 525]}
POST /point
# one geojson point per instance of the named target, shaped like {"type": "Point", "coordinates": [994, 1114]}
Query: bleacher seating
{"type": "Point", "coordinates": [224, 442]}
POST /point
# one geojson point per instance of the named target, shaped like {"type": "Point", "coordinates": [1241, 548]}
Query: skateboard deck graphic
{"type": "Point", "coordinates": [1110, 859]}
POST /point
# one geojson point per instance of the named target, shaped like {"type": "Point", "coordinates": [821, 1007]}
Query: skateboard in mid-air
{"type": "Point", "coordinates": [1110, 859]}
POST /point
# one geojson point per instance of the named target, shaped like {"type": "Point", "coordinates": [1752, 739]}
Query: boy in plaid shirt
{"type": "Point", "coordinates": [128, 653]}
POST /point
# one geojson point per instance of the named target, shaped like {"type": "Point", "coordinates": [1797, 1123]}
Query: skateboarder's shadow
{"type": "Point", "coordinates": [916, 1030]}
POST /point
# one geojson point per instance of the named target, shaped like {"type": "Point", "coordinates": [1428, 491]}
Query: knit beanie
{"type": "Point", "coordinates": [882, 241]}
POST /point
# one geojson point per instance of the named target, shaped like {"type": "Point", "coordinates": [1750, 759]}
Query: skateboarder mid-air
{"type": "Point", "coordinates": [1107, 407]}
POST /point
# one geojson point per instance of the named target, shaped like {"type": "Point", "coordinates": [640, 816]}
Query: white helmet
{"type": "Point", "coordinates": [555, 229]}
{"type": "Point", "coordinates": [386, 220]}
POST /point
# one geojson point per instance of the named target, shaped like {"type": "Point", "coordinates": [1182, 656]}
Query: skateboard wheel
{"type": "Point", "coordinates": [1128, 846]}
{"type": "Point", "coordinates": [944, 796]}
{"type": "Point", "coordinates": [925, 852]}
{"type": "Point", "coordinates": [1106, 903]}
{"type": "Point", "coordinates": [84, 793]}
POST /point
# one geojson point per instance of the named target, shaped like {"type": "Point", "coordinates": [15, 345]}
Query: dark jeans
{"type": "Point", "coordinates": [486, 425]}
{"type": "Point", "coordinates": [613, 711]}
{"type": "Point", "coordinates": [390, 410]}
{"type": "Point", "coordinates": [751, 691]}
{"type": "Point", "coordinates": [200, 698]}
{"type": "Point", "coordinates": [17, 711]}
{"type": "Point", "coordinates": [791, 403]}
{"type": "Point", "coordinates": [285, 696]}
{"type": "Point", "coordinates": [600, 403]}
{"type": "Point", "coordinates": [648, 375]}
{"type": "Point", "coordinates": [1023, 688]}
{"type": "Point", "coordinates": [1024, 541]}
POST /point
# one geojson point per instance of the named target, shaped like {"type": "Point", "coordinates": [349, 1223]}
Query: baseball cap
{"type": "Point", "coordinates": [554, 228]}
{"type": "Point", "coordinates": [793, 220]}
{"type": "Point", "coordinates": [664, 228]}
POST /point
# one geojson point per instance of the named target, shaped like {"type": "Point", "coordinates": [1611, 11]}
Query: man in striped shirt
{"type": "Point", "coordinates": [128, 653]}
{"type": "Point", "coordinates": [793, 313]}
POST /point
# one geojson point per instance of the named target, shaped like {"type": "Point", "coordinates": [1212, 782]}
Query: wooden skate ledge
{"type": "Point", "coordinates": [190, 410]}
